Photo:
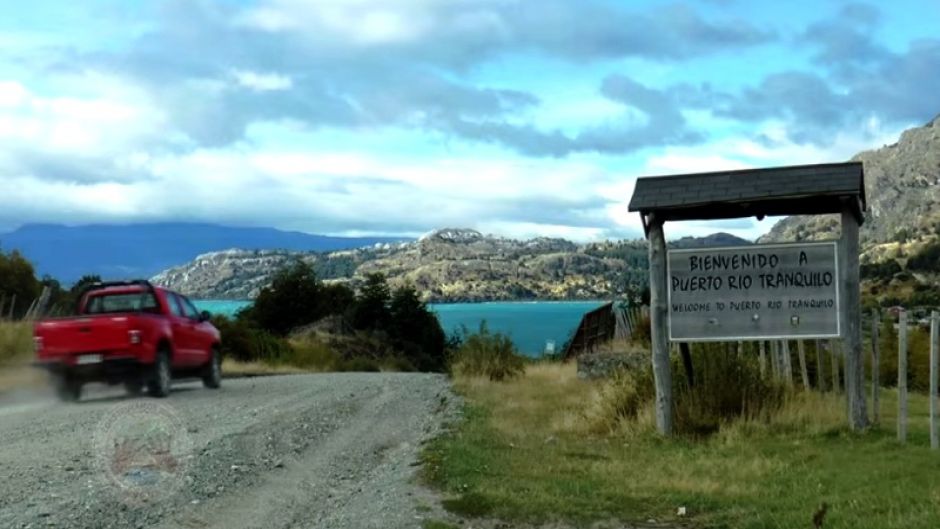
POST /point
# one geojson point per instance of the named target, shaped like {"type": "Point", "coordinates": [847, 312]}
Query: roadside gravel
{"type": "Point", "coordinates": [323, 451]}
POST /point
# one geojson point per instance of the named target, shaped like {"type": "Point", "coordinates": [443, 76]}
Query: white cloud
{"type": "Point", "coordinates": [262, 82]}
{"type": "Point", "coordinates": [108, 119]}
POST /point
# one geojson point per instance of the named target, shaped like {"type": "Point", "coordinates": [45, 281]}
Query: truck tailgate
{"type": "Point", "coordinates": [84, 334]}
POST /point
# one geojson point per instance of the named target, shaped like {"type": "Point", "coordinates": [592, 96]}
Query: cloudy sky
{"type": "Point", "coordinates": [516, 117]}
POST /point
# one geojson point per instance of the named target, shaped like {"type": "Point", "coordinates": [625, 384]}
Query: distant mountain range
{"type": "Point", "coordinates": [446, 265]}
{"type": "Point", "coordinates": [142, 250]}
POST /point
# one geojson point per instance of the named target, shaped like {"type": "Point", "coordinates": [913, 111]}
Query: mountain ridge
{"type": "Point", "coordinates": [451, 264]}
{"type": "Point", "coordinates": [122, 251]}
{"type": "Point", "coordinates": [902, 185]}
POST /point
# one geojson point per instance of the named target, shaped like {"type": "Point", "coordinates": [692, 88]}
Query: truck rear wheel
{"type": "Point", "coordinates": [161, 376]}
{"type": "Point", "coordinates": [212, 372]}
{"type": "Point", "coordinates": [67, 388]}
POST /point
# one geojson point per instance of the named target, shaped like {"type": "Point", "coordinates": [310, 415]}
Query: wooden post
{"type": "Point", "coordinates": [787, 362]}
{"type": "Point", "coordinates": [801, 351]}
{"type": "Point", "coordinates": [820, 374]}
{"type": "Point", "coordinates": [875, 366]}
{"type": "Point", "coordinates": [934, 439]}
{"type": "Point", "coordinates": [662, 374]}
{"type": "Point", "coordinates": [902, 376]}
{"type": "Point", "coordinates": [12, 306]}
{"type": "Point", "coordinates": [834, 355]}
{"type": "Point", "coordinates": [852, 320]}
{"type": "Point", "coordinates": [763, 358]}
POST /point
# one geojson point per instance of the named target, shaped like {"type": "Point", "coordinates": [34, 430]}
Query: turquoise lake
{"type": "Point", "coordinates": [531, 325]}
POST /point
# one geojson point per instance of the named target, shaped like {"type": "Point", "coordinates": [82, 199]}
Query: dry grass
{"type": "Point", "coordinates": [16, 352]}
{"type": "Point", "coordinates": [529, 451]}
{"type": "Point", "coordinates": [235, 368]}
{"type": "Point", "coordinates": [16, 342]}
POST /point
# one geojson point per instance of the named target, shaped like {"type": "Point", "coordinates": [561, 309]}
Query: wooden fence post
{"type": "Point", "coordinates": [875, 366]}
{"type": "Point", "coordinates": [12, 306]}
{"type": "Point", "coordinates": [820, 374]}
{"type": "Point", "coordinates": [662, 373]}
{"type": "Point", "coordinates": [787, 362]}
{"type": "Point", "coordinates": [834, 356]}
{"type": "Point", "coordinates": [934, 440]}
{"type": "Point", "coordinates": [902, 376]}
{"type": "Point", "coordinates": [801, 352]}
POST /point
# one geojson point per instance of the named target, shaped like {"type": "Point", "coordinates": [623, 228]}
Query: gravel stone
{"type": "Point", "coordinates": [325, 451]}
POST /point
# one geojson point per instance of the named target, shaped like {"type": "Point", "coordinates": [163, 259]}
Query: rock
{"type": "Point", "coordinates": [602, 365]}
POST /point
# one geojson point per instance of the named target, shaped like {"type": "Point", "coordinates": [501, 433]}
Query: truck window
{"type": "Point", "coordinates": [122, 302]}
{"type": "Point", "coordinates": [188, 307]}
{"type": "Point", "coordinates": [175, 307]}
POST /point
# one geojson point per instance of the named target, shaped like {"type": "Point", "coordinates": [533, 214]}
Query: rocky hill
{"type": "Point", "coordinates": [903, 190]}
{"type": "Point", "coordinates": [446, 265]}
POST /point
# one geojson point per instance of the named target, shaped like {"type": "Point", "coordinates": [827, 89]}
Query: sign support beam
{"type": "Point", "coordinates": [851, 320]}
{"type": "Point", "coordinates": [662, 372]}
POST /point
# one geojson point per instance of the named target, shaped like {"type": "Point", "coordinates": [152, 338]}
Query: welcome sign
{"type": "Point", "coordinates": [767, 291]}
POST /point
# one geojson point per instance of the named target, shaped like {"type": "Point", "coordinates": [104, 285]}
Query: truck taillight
{"type": "Point", "coordinates": [37, 343]}
{"type": "Point", "coordinates": [134, 337]}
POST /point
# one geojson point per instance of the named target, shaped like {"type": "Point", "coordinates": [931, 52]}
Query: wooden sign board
{"type": "Point", "coordinates": [760, 292]}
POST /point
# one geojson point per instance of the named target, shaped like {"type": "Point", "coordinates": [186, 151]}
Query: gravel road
{"type": "Point", "coordinates": [319, 451]}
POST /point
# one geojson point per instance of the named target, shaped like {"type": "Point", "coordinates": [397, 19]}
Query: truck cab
{"type": "Point", "coordinates": [131, 333]}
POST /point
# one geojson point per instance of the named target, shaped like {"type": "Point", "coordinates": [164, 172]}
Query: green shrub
{"type": "Point", "coordinates": [726, 386]}
{"type": "Point", "coordinates": [927, 259]}
{"type": "Point", "coordinates": [245, 342]}
{"type": "Point", "coordinates": [488, 354]}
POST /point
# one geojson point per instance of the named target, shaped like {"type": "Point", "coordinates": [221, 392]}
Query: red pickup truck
{"type": "Point", "coordinates": [129, 332]}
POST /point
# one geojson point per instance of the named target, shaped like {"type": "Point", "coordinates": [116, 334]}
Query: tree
{"type": "Point", "coordinates": [370, 311]}
{"type": "Point", "coordinates": [336, 298]}
{"type": "Point", "coordinates": [17, 279]}
{"type": "Point", "coordinates": [416, 331]}
{"type": "Point", "coordinates": [292, 299]}
{"type": "Point", "coordinates": [74, 295]}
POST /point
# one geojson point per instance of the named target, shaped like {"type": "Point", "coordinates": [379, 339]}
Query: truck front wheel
{"type": "Point", "coordinates": [161, 376]}
{"type": "Point", "coordinates": [212, 372]}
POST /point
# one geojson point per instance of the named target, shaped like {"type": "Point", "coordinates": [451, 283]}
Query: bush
{"type": "Point", "coordinates": [727, 386]}
{"type": "Point", "coordinates": [620, 399]}
{"type": "Point", "coordinates": [927, 259]}
{"type": "Point", "coordinates": [492, 355]}
{"type": "Point", "coordinates": [245, 342]}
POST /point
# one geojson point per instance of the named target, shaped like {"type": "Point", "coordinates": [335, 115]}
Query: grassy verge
{"type": "Point", "coordinates": [234, 368]}
{"type": "Point", "coordinates": [16, 352]}
{"type": "Point", "coordinates": [16, 342]}
{"type": "Point", "coordinates": [530, 450]}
